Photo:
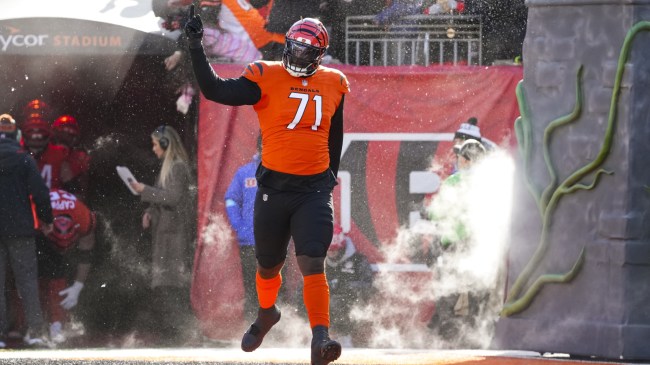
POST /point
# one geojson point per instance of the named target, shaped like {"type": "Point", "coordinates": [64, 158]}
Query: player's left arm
{"type": "Point", "coordinates": [336, 138]}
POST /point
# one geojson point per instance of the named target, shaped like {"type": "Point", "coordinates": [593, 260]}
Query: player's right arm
{"type": "Point", "coordinates": [240, 91]}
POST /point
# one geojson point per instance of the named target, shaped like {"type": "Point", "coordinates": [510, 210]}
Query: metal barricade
{"type": "Point", "coordinates": [414, 40]}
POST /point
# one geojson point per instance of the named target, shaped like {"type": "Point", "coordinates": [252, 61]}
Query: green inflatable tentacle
{"type": "Point", "coordinates": [546, 206]}
{"type": "Point", "coordinates": [525, 300]}
{"type": "Point", "coordinates": [548, 132]}
{"type": "Point", "coordinates": [568, 185]}
{"type": "Point", "coordinates": [524, 134]}
{"type": "Point", "coordinates": [613, 109]}
{"type": "Point", "coordinates": [577, 187]}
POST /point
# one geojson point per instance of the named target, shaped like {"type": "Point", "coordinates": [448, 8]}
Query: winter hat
{"type": "Point", "coordinates": [469, 130]}
{"type": "Point", "coordinates": [8, 128]}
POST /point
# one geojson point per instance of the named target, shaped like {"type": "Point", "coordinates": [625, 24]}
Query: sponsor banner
{"type": "Point", "coordinates": [58, 36]}
{"type": "Point", "coordinates": [399, 124]}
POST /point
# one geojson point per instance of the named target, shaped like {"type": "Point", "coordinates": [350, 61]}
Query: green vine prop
{"type": "Point", "coordinates": [548, 199]}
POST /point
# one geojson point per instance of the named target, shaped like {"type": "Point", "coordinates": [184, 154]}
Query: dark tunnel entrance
{"type": "Point", "coordinates": [119, 94]}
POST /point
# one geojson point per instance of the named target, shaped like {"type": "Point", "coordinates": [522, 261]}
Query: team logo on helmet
{"type": "Point", "coordinates": [36, 109]}
{"type": "Point", "coordinates": [305, 45]}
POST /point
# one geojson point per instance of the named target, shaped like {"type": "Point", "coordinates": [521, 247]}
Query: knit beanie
{"type": "Point", "coordinates": [8, 128]}
{"type": "Point", "coordinates": [469, 130]}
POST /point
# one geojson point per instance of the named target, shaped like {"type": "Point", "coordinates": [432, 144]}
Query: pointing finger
{"type": "Point", "coordinates": [192, 11]}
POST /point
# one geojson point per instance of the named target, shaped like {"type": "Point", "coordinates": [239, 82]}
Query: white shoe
{"type": "Point", "coordinates": [37, 342]}
{"type": "Point", "coordinates": [56, 333]}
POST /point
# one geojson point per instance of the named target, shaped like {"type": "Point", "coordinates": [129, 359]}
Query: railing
{"type": "Point", "coordinates": [414, 40]}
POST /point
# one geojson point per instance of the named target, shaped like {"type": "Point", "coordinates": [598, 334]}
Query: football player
{"type": "Point", "coordinates": [66, 132]}
{"type": "Point", "coordinates": [51, 158]}
{"type": "Point", "coordinates": [299, 104]}
{"type": "Point", "coordinates": [69, 244]}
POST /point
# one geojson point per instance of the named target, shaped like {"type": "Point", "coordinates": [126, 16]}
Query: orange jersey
{"type": "Point", "coordinates": [295, 116]}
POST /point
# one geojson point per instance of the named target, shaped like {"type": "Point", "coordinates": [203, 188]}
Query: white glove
{"type": "Point", "coordinates": [71, 295]}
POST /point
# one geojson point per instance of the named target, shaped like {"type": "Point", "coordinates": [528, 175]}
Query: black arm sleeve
{"type": "Point", "coordinates": [234, 92]}
{"type": "Point", "coordinates": [336, 138]}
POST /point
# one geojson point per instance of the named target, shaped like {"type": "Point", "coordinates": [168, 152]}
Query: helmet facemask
{"type": "Point", "coordinates": [36, 134]}
{"type": "Point", "coordinates": [301, 59]}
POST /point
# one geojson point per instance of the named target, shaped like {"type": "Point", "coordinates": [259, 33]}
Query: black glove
{"type": "Point", "coordinates": [194, 29]}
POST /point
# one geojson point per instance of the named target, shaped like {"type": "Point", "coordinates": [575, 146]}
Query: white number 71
{"type": "Point", "coordinates": [304, 98]}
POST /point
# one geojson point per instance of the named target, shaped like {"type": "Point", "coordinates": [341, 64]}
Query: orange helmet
{"type": "Point", "coordinates": [66, 130]}
{"type": "Point", "coordinates": [36, 133]}
{"type": "Point", "coordinates": [36, 108]}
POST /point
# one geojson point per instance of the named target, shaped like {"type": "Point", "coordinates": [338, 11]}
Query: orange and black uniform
{"type": "Point", "coordinates": [301, 121]}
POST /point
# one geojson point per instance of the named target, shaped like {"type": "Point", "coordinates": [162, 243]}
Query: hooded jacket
{"type": "Point", "coordinates": [20, 179]}
{"type": "Point", "coordinates": [240, 200]}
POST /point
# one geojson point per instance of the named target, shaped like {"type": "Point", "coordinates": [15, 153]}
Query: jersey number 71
{"type": "Point", "coordinates": [304, 99]}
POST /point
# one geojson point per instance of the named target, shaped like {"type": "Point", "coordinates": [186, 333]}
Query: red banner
{"type": "Point", "coordinates": [398, 122]}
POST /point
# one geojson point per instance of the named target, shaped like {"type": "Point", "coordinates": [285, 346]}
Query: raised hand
{"type": "Point", "coordinates": [194, 29]}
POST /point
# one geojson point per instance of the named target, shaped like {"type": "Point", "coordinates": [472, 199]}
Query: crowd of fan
{"type": "Point", "coordinates": [240, 31]}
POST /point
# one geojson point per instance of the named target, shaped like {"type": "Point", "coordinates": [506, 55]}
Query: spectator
{"type": "Point", "coordinates": [171, 217]}
{"type": "Point", "coordinates": [350, 279]}
{"type": "Point", "coordinates": [64, 256]}
{"type": "Point", "coordinates": [240, 200]}
{"type": "Point", "coordinates": [449, 213]}
{"type": "Point", "coordinates": [66, 132]}
{"type": "Point", "coordinates": [396, 9]}
{"type": "Point", "coordinates": [392, 17]}
{"type": "Point", "coordinates": [234, 32]}
{"type": "Point", "coordinates": [51, 159]}
{"type": "Point", "coordinates": [444, 7]}
{"type": "Point", "coordinates": [300, 161]}
{"type": "Point", "coordinates": [20, 180]}
{"type": "Point", "coordinates": [466, 130]}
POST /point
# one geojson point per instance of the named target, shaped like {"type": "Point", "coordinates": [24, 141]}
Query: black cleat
{"type": "Point", "coordinates": [266, 318]}
{"type": "Point", "coordinates": [323, 349]}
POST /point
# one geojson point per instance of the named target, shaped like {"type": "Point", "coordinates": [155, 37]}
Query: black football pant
{"type": "Point", "coordinates": [308, 217]}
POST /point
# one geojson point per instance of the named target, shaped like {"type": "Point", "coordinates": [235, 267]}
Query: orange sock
{"type": "Point", "coordinates": [316, 294]}
{"type": "Point", "coordinates": [267, 290]}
